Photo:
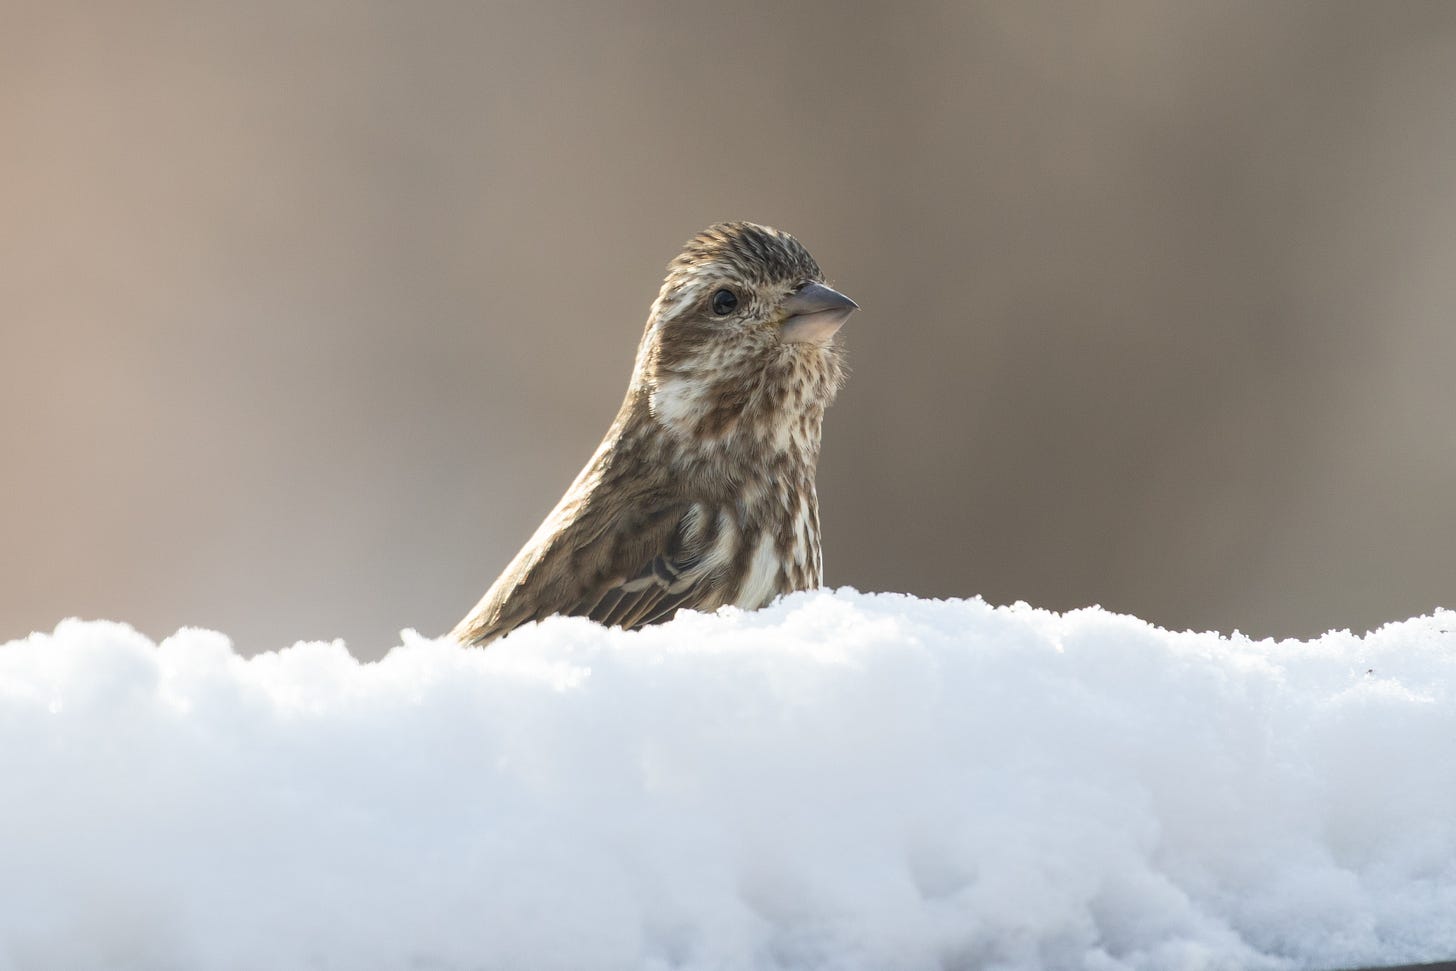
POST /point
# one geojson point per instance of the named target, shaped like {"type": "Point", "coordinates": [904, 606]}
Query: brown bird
{"type": "Point", "coordinates": [702, 493]}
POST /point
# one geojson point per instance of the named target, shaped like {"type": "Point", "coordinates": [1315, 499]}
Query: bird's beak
{"type": "Point", "coordinates": [813, 313]}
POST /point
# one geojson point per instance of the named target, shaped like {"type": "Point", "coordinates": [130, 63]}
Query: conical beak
{"type": "Point", "coordinates": [813, 313]}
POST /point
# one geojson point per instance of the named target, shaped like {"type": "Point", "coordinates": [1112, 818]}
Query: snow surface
{"type": "Point", "coordinates": [839, 781]}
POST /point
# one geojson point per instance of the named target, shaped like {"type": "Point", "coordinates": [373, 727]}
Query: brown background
{"type": "Point", "coordinates": [309, 312]}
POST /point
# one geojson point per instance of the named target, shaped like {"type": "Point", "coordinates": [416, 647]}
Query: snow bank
{"type": "Point", "coordinates": [840, 781]}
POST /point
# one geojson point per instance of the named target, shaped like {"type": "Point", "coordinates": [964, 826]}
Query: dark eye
{"type": "Point", "coordinates": [724, 302]}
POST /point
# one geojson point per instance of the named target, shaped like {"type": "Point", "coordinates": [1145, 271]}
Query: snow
{"type": "Point", "coordinates": [839, 781]}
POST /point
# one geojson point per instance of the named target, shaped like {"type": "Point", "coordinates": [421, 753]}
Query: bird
{"type": "Point", "coordinates": [702, 493]}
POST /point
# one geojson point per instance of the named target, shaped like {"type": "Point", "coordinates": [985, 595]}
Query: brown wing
{"type": "Point", "coordinates": [627, 571]}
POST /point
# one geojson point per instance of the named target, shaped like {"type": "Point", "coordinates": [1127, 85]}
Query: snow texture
{"type": "Point", "coordinates": [840, 781]}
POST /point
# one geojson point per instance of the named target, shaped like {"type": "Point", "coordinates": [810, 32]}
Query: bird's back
{"type": "Point", "coordinates": [628, 549]}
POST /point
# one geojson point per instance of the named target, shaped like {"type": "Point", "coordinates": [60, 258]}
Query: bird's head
{"type": "Point", "coordinates": [741, 340]}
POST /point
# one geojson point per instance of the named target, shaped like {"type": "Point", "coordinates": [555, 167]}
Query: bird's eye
{"type": "Point", "coordinates": [724, 302]}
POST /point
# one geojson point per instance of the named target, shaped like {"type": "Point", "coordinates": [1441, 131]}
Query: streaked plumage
{"type": "Point", "coordinates": [702, 493]}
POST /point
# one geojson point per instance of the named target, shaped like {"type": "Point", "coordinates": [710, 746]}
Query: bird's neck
{"type": "Point", "coordinates": [776, 408]}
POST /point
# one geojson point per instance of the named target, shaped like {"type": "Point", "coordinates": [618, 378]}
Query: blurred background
{"type": "Point", "coordinates": [309, 312]}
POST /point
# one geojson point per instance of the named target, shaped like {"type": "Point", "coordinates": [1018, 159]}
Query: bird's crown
{"type": "Point", "coordinates": [753, 253]}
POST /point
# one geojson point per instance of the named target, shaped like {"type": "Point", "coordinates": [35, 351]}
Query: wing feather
{"type": "Point", "coordinates": [648, 566]}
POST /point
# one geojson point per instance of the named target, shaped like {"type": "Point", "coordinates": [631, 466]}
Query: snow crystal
{"type": "Point", "coordinates": [839, 781]}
